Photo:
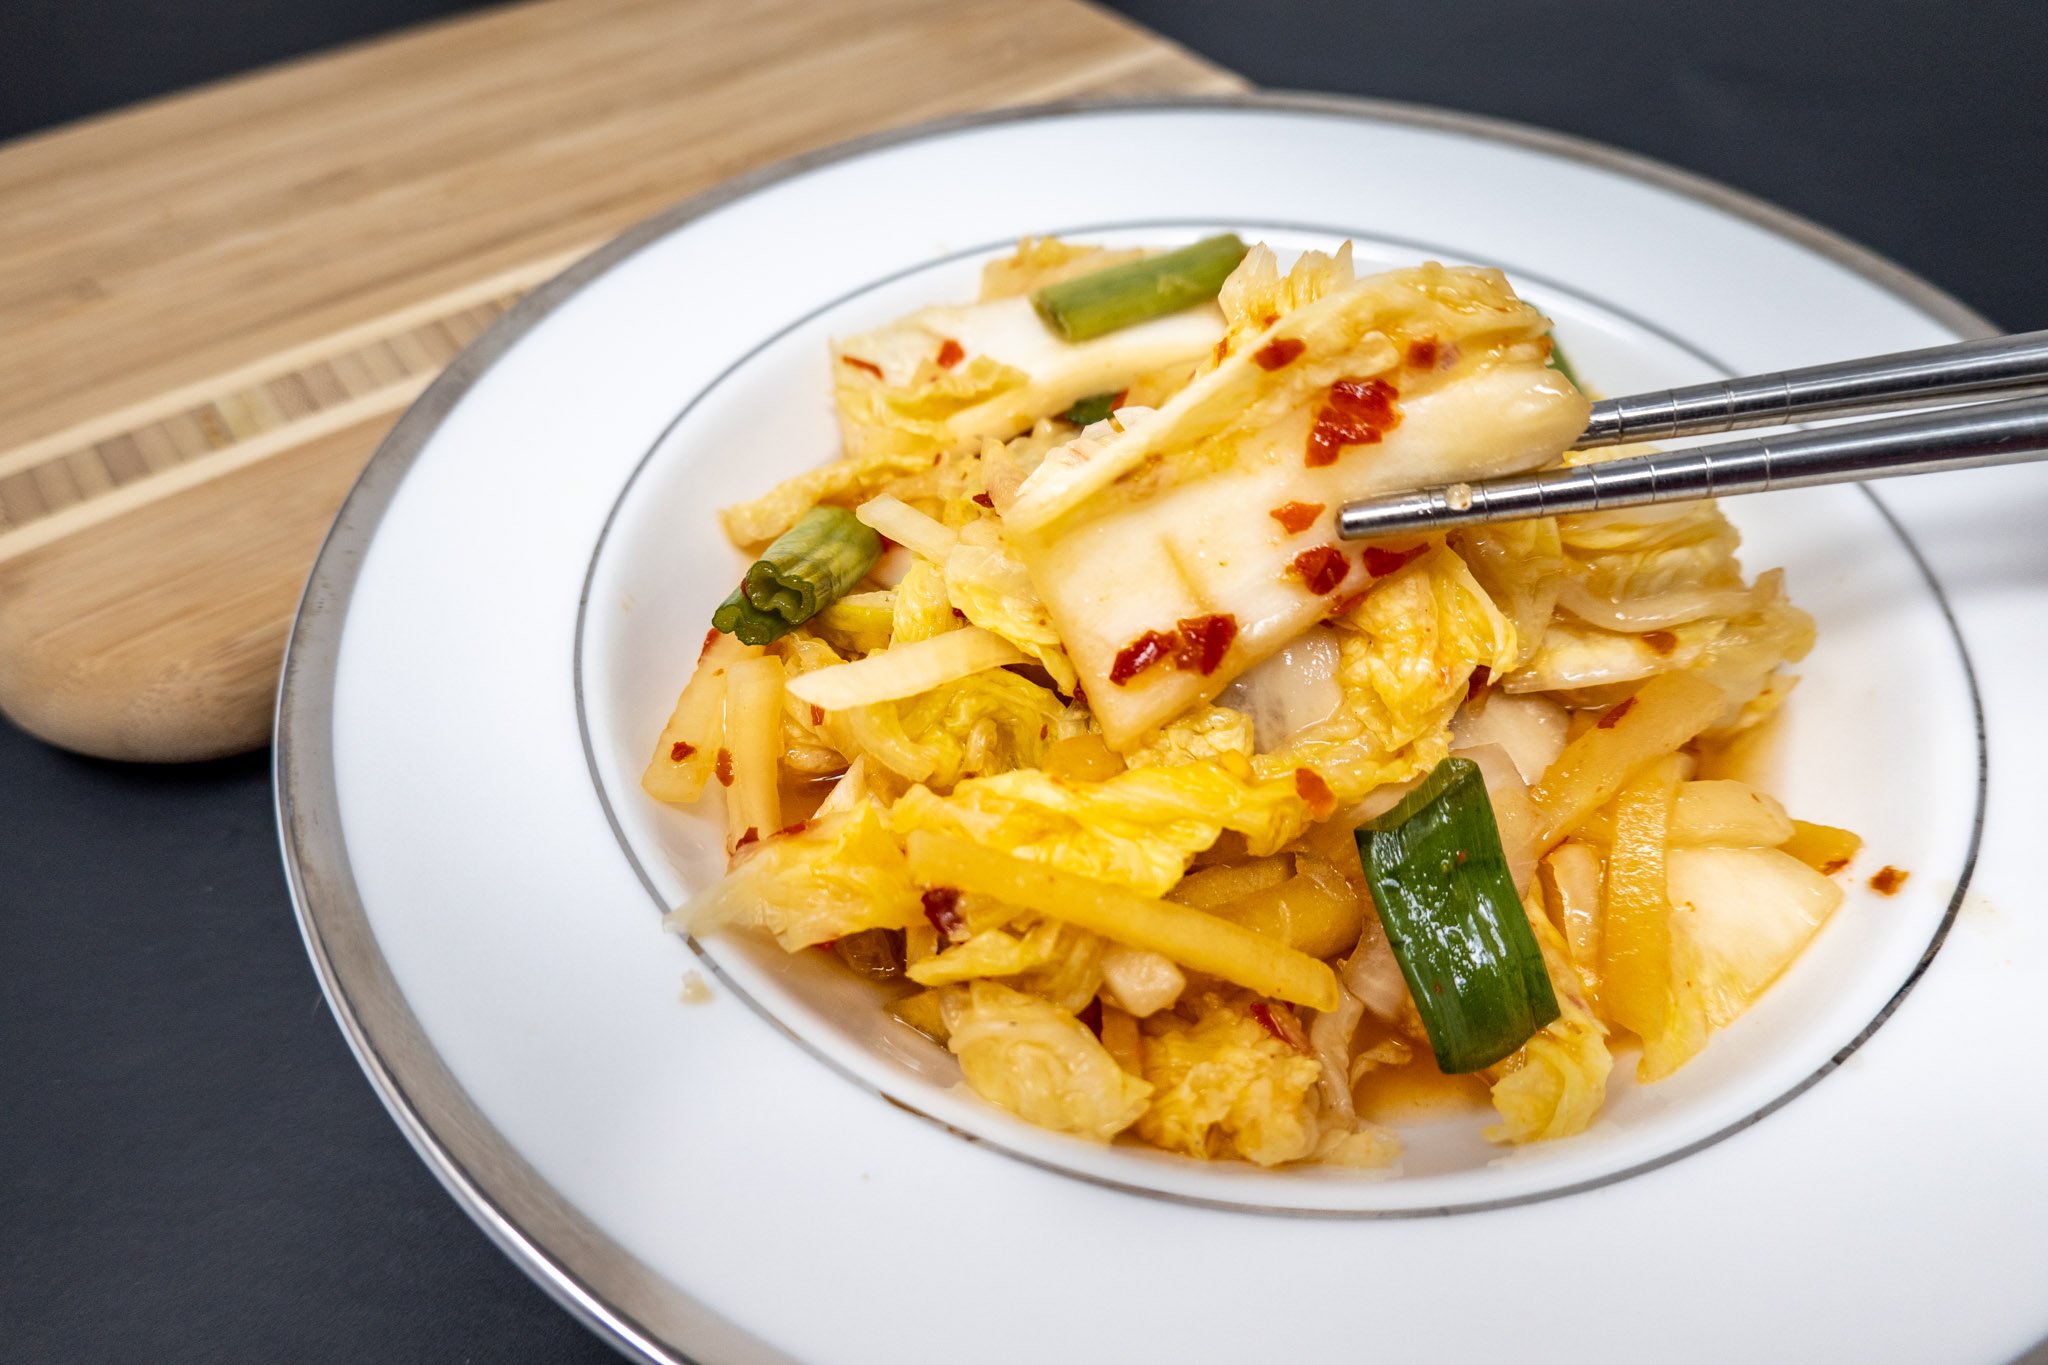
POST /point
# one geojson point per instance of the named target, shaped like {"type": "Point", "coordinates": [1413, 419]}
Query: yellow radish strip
{"type": "Point", "coordinates": [1823, 848]}
{"type": "Point", "coordinates": [1193, 938]}
{"type": "Point", "coordinates": [1635, 937]}
{"type": "Point", "coordinates": [1663, 713]}
{"type": "Point", "coordinates": [1714, 812]}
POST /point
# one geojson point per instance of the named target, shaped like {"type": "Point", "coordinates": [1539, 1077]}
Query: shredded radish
{"type": "Point", "coordinates": [905, 670]}
{"type": "Point", "coordinates": [904, 524]}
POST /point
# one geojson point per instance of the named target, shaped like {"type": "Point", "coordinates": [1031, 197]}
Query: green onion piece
{"type": "Point", "coordinates": [808, 568]}
{"type": "Point", "coordinates": [737, 616]}
{"type": "Point", "coordinates": [1456, 925]}
{"type": "Point", "coordinates": [1563, 366]}
{"type": "Point", "coordinates": [1121, 296]}
{"type": "Point", "coordinates": [1089, 411]}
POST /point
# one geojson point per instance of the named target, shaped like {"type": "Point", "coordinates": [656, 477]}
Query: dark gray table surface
{"type": "Point", "coordinates": [191, 1166]}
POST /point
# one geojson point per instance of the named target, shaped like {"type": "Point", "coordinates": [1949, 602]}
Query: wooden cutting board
{"type": "Point", "coordinates": [212, 306]}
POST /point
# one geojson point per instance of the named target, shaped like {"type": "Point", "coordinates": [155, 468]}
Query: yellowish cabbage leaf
{"type": "Point", "coordinates": [990, 588]}
{"type": "Point", "coordinates": [1137, 829]}
{"type": "Point", "coordinates": [983, 724]}
{"type": "Point", "coordinates": [1207, 732]}
{"type": "Point", "coordinates": [835, 877]}
{"type": "Point", "coordinates": [843, 482]}
{"type": "Point", "coordinates": [1404, 669]}
{"type": "Point", "coordinates": [1225, 1087]}
{"type": "Point", "coordinates": [1039, 1062]}
{"type": "Point", "coordinates": [1554, 1084]}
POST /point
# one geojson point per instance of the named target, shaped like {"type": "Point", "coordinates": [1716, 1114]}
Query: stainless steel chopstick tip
{"type": "Point", "coordinates": [1397, 513]}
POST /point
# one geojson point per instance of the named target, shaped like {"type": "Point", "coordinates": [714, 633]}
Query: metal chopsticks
{"type": "Point", "coordinates": [2003, 432]}
{"type": "Point", "coordinates": [1843, 389]}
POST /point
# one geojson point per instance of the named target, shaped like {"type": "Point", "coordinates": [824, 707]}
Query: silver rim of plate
{"type": "Point", "coordinates": [613, 1292]}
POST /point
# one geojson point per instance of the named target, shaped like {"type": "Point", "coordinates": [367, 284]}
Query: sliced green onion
{"type": "Point", "coordinates": [1091, 410]}
{"type": "Point", "coordinates": [1455, 923]}
{"type": "Point", "coordinates": [739, 617]}
{"type": "Point", "coordinates": [1557, 360]}
{"type": "Point", "coordinates": [808, 568]}
{"type": "Point", "coordinates": [1121, 296]}
{"type": "Point", "coordinates": [1561, 365]}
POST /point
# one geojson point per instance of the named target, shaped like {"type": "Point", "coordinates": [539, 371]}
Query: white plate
{"type": "Point", "coordinates": [509, 601]}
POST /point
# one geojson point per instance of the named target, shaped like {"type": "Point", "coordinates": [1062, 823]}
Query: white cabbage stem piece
{"type": "Point", "coordinates": [1169, 520]}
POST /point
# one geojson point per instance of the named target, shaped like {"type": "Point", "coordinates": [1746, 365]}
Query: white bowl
{"type": "Point", "coordinates": [1889, 664]}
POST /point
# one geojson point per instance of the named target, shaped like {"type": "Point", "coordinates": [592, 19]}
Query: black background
{"type": "Point", "coordinates": [192, 1167]}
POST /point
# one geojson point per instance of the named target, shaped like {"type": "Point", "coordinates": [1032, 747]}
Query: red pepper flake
{"type": "Point", "coordinates": [817, 714]}
{"type": "Point", "coordinates": [1614, 714]}
{"type": "Point", "coordinates": [1269, 319]}
{"type": "Point", "coordinates": [1423, 354]}
{"type": "Point", "coordinates": [1310, 787]}
{"type": "Point", "coordinates": [749, 837]}
{"type": "Point", "coordinates": [985, 500]}
{"type": "Point", "coordinates": [1663, 641]}
{"type": "Point", "coordinates": [1080, 697]}
{"type": "Point", "coordinates": [710, 639]}
{"type": "Point", "coordinates": [1261, 1012]}
{"type": "Point", "coordinates": [1222, 350]}
{"type": "Point", "coordinates": [1091, 1015]}
{"type": "Point", "coordinates": [798, 828]}
{"type": "Point", "coordinates": [870, 366]}
{"type": "Point", "coordinates": [1043, 731]}
{"type": "Point", "coordinates": [1379, 563]}
{"type": "Point", "coordinates": [1204, 640]}
{"type": "Point", "coordinates": [1278, 353]}
{"type": "Point", "coordinates": [950, 354]}
{"type": "Point", "coordinates": [1196, 642]}
{"type": "Point", "coordinates": [942, 908]}
{"type": "Point", "coordinates": [723, 768]}
{"type": "Point", "coordinates": [1887, 880]}
{"type": "Point", "coordinates": [1281, 1023]}
{"type": "Point", "coordinates": [1139, 655]}
{"type": "Point", "coordinates": [959, 615]}
{"type": "Point", "coordinates": [680, 750]}
{"type": "Point", "coordinates": [1481, 679]}
{"type": "Point", "coordinates": [1321, 569]}
{"type": "Point", "coordinates": [1343, 607]}
{"type": "Point", "coordinates": [1358, 413]}
{"type": "Point", "coordinates": [1296, 517]}
{"type": "Point", "coordinates": [1832, 866]}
